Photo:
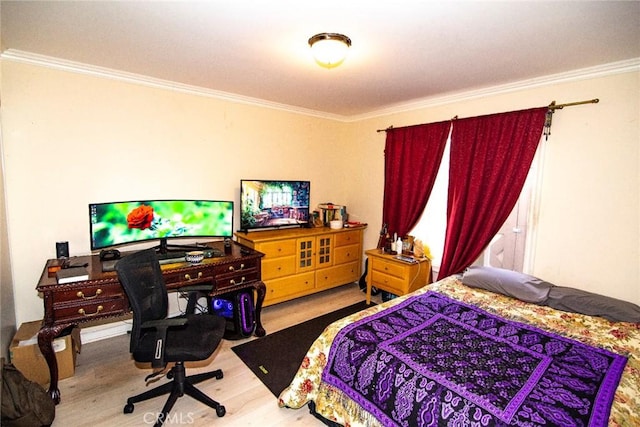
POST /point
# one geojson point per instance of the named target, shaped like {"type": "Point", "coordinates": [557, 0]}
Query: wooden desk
{"type": "Point", "coordinates": [395, 276]}
{"type": "Point", "coordinates": [102, 297]}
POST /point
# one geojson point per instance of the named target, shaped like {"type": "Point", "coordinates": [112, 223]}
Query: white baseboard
{"type": "Point", "coordinates": [101, 332]}
{"type": "Point", "coordinates": [110, 330]}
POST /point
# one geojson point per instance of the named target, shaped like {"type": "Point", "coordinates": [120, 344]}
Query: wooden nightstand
{"type": "Point", "coordinates": [395, 276]}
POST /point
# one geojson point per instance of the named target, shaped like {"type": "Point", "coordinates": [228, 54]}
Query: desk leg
{"type": "Point", "coordinates": [46, 336]}
{"type": "Point", "coordinates": [261, 290]}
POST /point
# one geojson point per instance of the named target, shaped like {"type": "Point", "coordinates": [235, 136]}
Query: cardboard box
{"type": "Point", "coordinates": [27, 358]}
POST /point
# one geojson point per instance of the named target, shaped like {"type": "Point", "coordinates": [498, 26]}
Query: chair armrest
{"type": "Point", "coordinates": [164, 323]}
{"type": "Point", "coordinates": [161, 326]}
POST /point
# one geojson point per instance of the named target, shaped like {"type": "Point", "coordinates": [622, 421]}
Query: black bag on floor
{"type": "Point", "coordinates": [24, 403]}
{"type": "Point", "coordinates": [363, 280]}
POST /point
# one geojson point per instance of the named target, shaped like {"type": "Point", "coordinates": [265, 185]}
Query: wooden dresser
{"type": "Point", "coordinates": [303, 261]}
{"type": "Point", "coordinates": [392, 275]}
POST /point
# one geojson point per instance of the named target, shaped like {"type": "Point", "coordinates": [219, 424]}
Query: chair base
{"type": "Point", "coordinates": [178, 387]}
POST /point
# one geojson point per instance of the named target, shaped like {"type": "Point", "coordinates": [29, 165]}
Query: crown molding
{"type": "Point", "coordinates": [625, 66]}
{"type": "Point", "coordinates": [123, 76]}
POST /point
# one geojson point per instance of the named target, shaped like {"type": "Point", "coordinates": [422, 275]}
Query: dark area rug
{"type": "Point", "coordinates": [275, 358]}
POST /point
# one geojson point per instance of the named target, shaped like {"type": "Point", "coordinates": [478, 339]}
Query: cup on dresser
{"type": "Point", "coordinates": [194, 257]}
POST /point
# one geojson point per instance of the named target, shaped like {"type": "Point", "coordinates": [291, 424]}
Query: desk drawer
{"type": "Point", "coordinates": [236, 278]}
{"type": "Point", "coordinates": [237, 266]}
{"type": "Point", "coordinates": [88, 292]}
{"type": "Point", "coordinates": [86, 311]}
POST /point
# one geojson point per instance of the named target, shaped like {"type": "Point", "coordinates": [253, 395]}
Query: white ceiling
{"type": "Point", "coordinates": [403, 52]}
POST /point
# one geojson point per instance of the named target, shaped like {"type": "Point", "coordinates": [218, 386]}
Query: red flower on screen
{"type": "Point", "coordinates": [141, 217]}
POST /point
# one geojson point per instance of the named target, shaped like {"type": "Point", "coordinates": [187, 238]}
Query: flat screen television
{"type": "Point", "coordinates": [266, 204]}
{"type": "Point", "coordinates": [118, 223]}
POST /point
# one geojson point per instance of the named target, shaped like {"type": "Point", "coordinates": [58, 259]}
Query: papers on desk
{"type": "Point", "coordinates": [72, 274]}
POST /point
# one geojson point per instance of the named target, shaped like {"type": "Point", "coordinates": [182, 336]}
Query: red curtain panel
{"type": "Point", "coordinates": [490, 159]}
{"type": "Point", "coordinates": [412, 157]}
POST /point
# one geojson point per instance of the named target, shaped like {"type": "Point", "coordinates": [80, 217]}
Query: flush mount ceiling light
{"type": "Point", "coordinates": [329, 49]}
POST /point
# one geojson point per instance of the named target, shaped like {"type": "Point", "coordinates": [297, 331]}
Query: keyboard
{"type": "Point", "coordinates": [171, 257]}
{"type": "Point", "coordinates": [406, 259]}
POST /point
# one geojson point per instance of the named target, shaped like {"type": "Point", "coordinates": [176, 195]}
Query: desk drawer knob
{"type": "Point", "coordinates": [84, 313]}
{"type": "Point", "coordinates": [231, 268]}
{"type": "Point", "coordinates": [233, 282]}
{"type": "Point", "coordinates": [80, 294]}
{"type": "Point", "coordinates": [188, 276]}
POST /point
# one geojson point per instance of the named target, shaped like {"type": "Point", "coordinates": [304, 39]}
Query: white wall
{"type": "Point", "coordinates": [588, 213]}
{"type": "Point", "coordinates": [72, 139]}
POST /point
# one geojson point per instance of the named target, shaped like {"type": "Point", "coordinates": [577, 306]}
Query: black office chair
{"type": "Point", "coordinates": [161, 340]}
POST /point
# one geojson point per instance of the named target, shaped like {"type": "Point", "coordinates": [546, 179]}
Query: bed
{"type": "Point", "coordinates": [513, 362]}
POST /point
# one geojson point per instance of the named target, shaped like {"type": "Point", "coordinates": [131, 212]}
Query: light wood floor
{"type": "Point", "coordinates": [106, 375]}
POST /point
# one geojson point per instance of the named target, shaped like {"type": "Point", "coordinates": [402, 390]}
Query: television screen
{"type": "Point", "coordinates": [273, 204]}
{"type": "Point", "coordinates": [118, 223]}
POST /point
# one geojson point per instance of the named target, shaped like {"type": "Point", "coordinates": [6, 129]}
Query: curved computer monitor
{"type": "Point", "coordinates": [119, 223]}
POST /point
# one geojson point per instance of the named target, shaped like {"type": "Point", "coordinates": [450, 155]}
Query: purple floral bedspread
{"type": "Point", "coordinates": [432, 360]}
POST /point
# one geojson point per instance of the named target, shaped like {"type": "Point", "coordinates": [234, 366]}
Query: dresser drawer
{"type": "Point", "coordinates": [345, 254]}
{"type": "Point", "coordinates": [389, 267]}
{"type": "Point", "coordinates": [338, 275]}
{"type": "Point", "coordinates": [88, 292]}
{"type": "Point", "coordinates": [277, 249]}
{"type": "Point", "coordinates": [85, 311]}
{"type": "Point", "coordinates": [287, 286]}
{"type": "Point", "coordinates": [348, 238]}
{"type": "Point", "coordinates": [278, 267]}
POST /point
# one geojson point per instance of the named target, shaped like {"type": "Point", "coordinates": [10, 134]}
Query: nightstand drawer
{"type": "Point", "coordinates": [388, 283]}
{"type": "Point", "coordinates": [389, 267]}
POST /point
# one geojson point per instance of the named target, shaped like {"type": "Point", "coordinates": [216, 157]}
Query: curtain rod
{"type": "Point", "coordinates": [552, 106]}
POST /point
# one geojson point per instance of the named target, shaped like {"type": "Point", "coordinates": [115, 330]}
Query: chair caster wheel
{"type": "Point", "coordinates": [220, 411]}
{"type": "Point", "coordinates": [219, 375]}
{"type": "Point", "coordinates": [169, 375]}
{"type": "Point", "coordinates": [128, 408]}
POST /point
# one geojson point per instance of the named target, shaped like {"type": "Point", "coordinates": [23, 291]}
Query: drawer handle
{"type": "Point", "coordinates": [80, 294]}
{"type": "Point", "coordinates": [188, 276]}
{"type": "Point", "coordinates": [233, 282]}
{"type": "Point", "coordinates": [233, 269]}
{"type": "Point", "coordinates": [84, 313]}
